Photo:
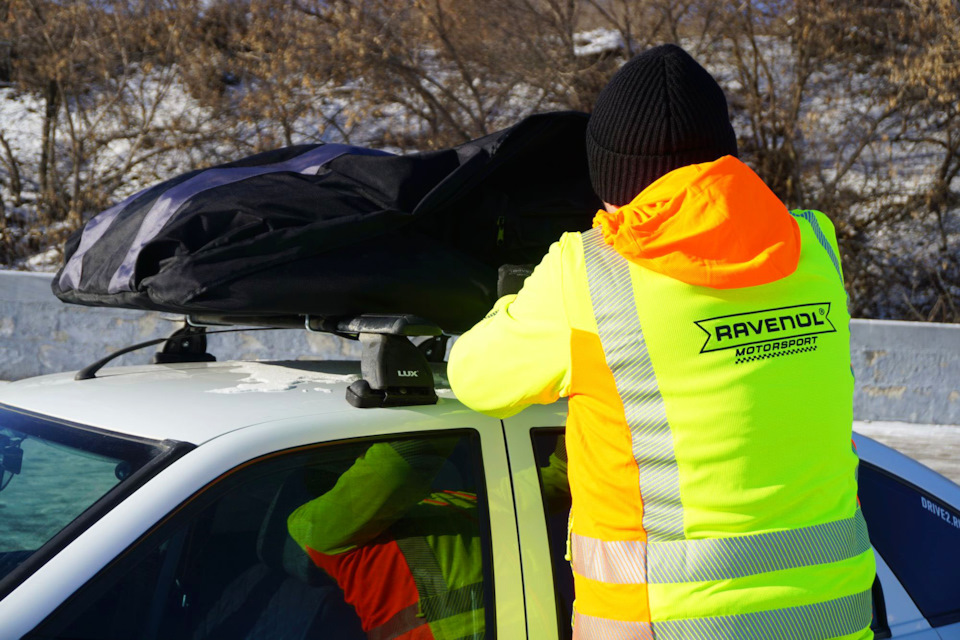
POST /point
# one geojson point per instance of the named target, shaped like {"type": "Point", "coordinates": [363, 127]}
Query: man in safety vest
{"type": "Point", "coordinates": [701, 334]}
{"type": "Point", "coordinates": [407, 557]}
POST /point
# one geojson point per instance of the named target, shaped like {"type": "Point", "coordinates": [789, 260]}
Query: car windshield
{"type": "Point", "coordinates": [51, 473]}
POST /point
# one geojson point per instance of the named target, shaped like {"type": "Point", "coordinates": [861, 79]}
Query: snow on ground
{"type": "Point", "coordinates": [161, 106]}
{"type": "Point", "coordinates": [936, 446]}
{"type": "Point", "coordinates": [47, 261]}
{"type": "Point", "coordinates": [597, 41]}
{"type": "Point", "coordinates": [886, 173]}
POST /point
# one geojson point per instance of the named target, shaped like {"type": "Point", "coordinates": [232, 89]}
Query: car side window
{"type": "Point", "coordinates": [362, 538]}
{"type": "Point", "coordinates": [918, 537]}
{"type": "Point", "coordinates": [551, 456]}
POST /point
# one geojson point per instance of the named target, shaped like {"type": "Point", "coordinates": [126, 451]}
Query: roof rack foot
{"type": "Point", "coordinates": [395, 374]}
{"type": "Point", "coordinates": [188, 344]}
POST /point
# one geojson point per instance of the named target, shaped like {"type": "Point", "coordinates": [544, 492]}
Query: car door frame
{"type": "Point", "coordinates": [121, 528]}
{"type": "Point", "coordinates": [540, 599]}
{"type": "Point", "coordinates": [903, 616]}
{"type": "Point", "coordinates": [905, 620]}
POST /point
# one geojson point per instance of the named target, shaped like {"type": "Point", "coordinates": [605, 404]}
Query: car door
{"type": "Point", "coordinates": [915, 596]}
{"type": "Point", "coordinates": [913, 515]}
{"type": "Point", "coordinates": [537, 462]}
{"type": "Point", "coordinates": [220, 562]}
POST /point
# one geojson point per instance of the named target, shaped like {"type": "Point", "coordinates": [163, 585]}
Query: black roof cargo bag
{"type": "Point", "coordinates": [335, 230]}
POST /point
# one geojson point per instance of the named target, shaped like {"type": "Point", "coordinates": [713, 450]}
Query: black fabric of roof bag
{"type": "Point", "coordinates": [423, 233]}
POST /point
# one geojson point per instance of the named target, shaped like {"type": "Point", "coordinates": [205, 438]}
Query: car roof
{"type": "Point", "coordinates": [192, 402]}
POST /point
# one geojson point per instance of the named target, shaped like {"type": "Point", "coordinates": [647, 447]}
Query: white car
{"type": "Point", "coordinates": [152, 502]}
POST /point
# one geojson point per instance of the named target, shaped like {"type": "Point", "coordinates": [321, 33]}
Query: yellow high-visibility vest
{"type": "Point", "coordinates": [710, 414]}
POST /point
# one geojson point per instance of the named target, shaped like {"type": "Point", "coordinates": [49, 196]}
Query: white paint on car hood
{"type": "Point", "coordinates": [195, 402]}
{"type": "Point", "coordinates": [268, 378]}
{"type": "Point", "coordinates": [191, 402]}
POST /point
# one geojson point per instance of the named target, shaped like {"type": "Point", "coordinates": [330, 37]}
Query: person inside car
{"type": "Point", "coordinates": [407, 556]}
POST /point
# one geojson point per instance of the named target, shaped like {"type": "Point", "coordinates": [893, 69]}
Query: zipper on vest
{"type": "Point", "coordinates": [568, 556]}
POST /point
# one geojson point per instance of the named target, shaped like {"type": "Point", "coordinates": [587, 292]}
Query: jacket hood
{"type": "Point", "coordinates": [714, 224]}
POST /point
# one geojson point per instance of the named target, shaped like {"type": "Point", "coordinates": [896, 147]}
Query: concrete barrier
{"type": "Point", "coordinates": [905, 371]}
{"type": "Point", "coordinates": [39, 334]}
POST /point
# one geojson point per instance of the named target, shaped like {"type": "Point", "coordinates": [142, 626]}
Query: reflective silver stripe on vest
{"type": "Point", "coordinates": [622, 562]}
{"type": "Point", "coordinates": [423, 565]}
{"type": "Point", "coordinates": [456, 601]}
{"type": "Point", "coordinates": [818, 621]}
{"type": "Point", "coordinates": [437, 600]}
{"type": "Point", "coordinates": [811, 217]}
{"type": "Point", "coordinates": [404, 621]}
{"type": "Point", "coordinates": [617, 562]}
{"type": "Point", "coordinates": [591, 628]}
{"type": "Point", "coordinates": [740, 556]}
{"type": "Point", "coordinates": [615, 309]}
{"type": "Point", "coordinates": [462, 600]}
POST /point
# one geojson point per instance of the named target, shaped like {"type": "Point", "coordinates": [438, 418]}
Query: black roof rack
{"type": "Point", "coordinates": [394, 371]}
{"type": "Point", "coordinates": [349, 326]}
{"type": "Point", "coordinates": [186, 344]}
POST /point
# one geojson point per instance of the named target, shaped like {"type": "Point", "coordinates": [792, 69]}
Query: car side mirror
{"type": "Point", "coordinates": [11, 459]}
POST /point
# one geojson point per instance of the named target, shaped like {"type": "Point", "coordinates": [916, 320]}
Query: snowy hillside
{"type": "Point", "coordinates": [901, 262]}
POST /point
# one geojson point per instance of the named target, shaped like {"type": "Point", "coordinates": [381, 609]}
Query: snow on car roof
{"type": "Point", "coordinates": [191, 402]}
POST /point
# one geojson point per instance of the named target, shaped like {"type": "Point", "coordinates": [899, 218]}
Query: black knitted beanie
{"type": "Point", "coordinates": [661, 111]}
